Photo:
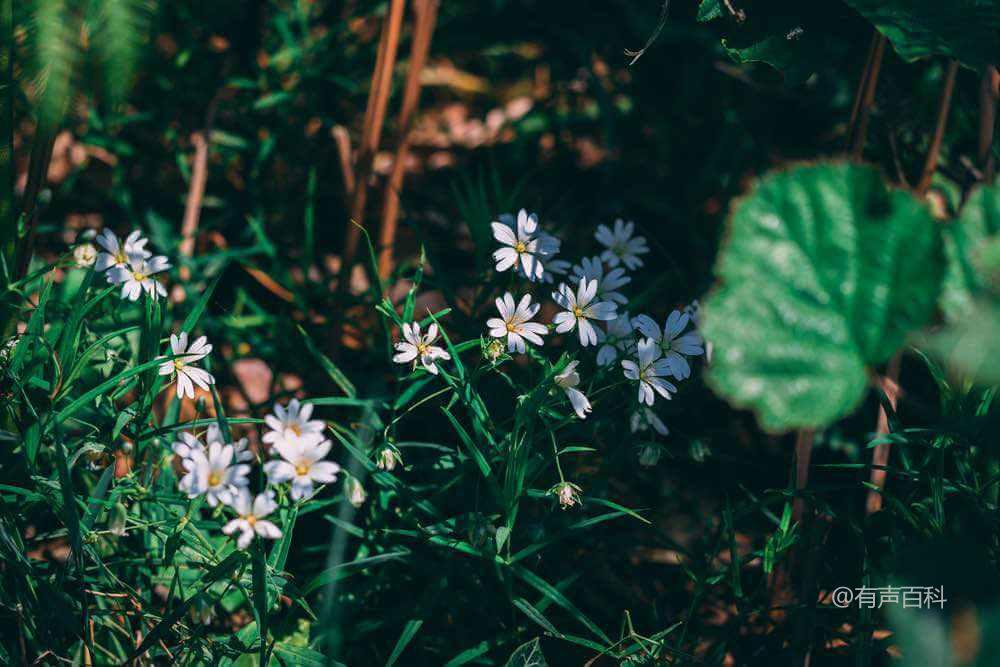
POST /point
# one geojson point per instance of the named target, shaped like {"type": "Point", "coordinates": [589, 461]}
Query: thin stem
{"type": "Point", "coordinates": [378, 100]}
{"type": "Point", "coordinates": [425, 16]}
{"type": "Point", "coordinates": [989, 94]}
{"type": "Point", "coordinates": [880, 457]}
{"type": "Point", "coordinates": [870, 77]}
{"type": "Point", "coordinates": [944, 106]}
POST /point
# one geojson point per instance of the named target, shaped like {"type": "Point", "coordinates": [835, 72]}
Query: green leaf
{"type": "Point", "coordinates": [967, 30]}
{"type": "Point", "coordinates": [527, 655]}
{"type": "Point", "coordinates": [795, 38]}
{"type": "Point", "coordinates": [967, 246]}
{"type": "Point", "coordinates": [825, 271]}
{"type": "Point", "coordinates": [411, 629]}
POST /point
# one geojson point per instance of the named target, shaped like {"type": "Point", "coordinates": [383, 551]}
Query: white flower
{"type": "Point", "coordinates": [649, 371]}
{"type": "Point", "coordinates": [419, 348]}
{"type": "Point", "coordinates": [187, 374]}
{"type": "Point", "coordinates": [137, 276]}
{"type": "Point", "coordinates": [580, 309]}
{"type": "Point", "coordinates": [301, 463]}
{"type": "Point", "coordinates": [119, 254]}
{"type": "Point", "coordinates": [292, 422]}
{"type": "Point", "coordinates": [85, 255]}
{"type": "Point", "coordinates": [591, 268]}
{"type": "Point", "coordinates": [619, 338]}
{"type": "Point", "coordinates": [567, 381]}
{"type": "Point", "coordinates": [621, 245]}
{"type": "Point", "coordinates": [514, 323]}
{"type": "Point", "coordinates": [523, 246]}
{"type": "Point", "coordinates": [189, 443]}
{"type": "Point", "coordinates": [214, 472]}
{"type": "Point", "coordinates": [354, 491]}
{"type": "Point", "coordinates": [644, 418]}
{"type": "Point", "coordinates": [568, 494]}
{"type": "Point", "coordinates": [251, 518]}
{"type": "Point", "coordinates": [674, 345]}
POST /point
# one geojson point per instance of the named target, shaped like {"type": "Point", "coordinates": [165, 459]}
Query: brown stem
{"type": "Point", "coordinates": [425, 16]}
{"type": "Point", "coordinates": [944, 106]}
{"type": "Point", "coordinates": [880, 457]}
{"type": "Point", "coordinates": [989, 93]}
{"type": "Point", "coordinates": [196, 192]}
{"type": "Point", "coordinates": [868, 98]}
{"type": "Point", "coordinates": [343, 141]}
{"type": "Point", "coordinates": [862, 85]}
{"type": "Point", "coordinates": [378, 99]}
{"type": "Point", "coordinates": [803, 454]}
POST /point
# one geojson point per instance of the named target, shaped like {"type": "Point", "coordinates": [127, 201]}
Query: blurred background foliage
{"type": "Point", "coordinates": [535, 104]}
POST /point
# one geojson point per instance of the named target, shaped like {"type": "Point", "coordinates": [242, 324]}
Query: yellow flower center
{"type": "Point", "coordinates": [178, 364]}
{"type": "Point", "coordinates": [120, 257]}
{"type": "Point", "coordinates": [302, 469]}
{"type": "Point", "coordinates": [422, 349]}
{"type": "Point", "coordinates": [294, 428]}
{"type": "Point", "coordinates": [510, 326]}
{"type": "Point", "coordinates": [138, 277]}
{"type": "Point", "coordinates": [520, 247]}
{"type": "Point", "coordinates": [251, 519]}
{"type": "Point", "coordinates": [214, 479]}
{"type": "Point", "coordinates": [577, 311]}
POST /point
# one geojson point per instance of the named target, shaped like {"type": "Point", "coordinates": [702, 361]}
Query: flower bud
{"type": "Point", "coordinates": [354, 491]}
{"type": "Point", "coordinates": [388, 458]}
{"type": "Point", "coordinates": [567, 493]}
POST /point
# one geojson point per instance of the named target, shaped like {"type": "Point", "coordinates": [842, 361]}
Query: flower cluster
{"type": "Point", "coordinates": [220, 471]}
{"type": "Point", "coordinates": [591, 304]}
{"type": "Point", "coordinates": [128, 263]}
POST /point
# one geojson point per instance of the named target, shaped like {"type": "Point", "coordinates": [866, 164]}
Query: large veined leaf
{"type": "Point", "coordinates": [968, 30]}
{"type": "Point", "coordinates": [824, 273]}
{"type": "Point", "coordinates": [970, 299]}
{"type": "Point", "coordinates": [967, 244]}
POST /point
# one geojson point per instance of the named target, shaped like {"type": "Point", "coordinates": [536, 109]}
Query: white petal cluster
{"type": "Point", "coordinates": [524, 247]}
{"type": "Point", "coordinates": [568, 380]}
{"type": "Point", "coordinates": [622, 246]}
{"type": "Point", "coordinates": [650, 370]}
{"type": "Point", "coordinates": [515, 323]}
{"type": "Point", "coordinates": [675, 345]}
{"type": "Point", "coordinates": [580, 308]}
{"type": "Point", "coordinates": [251, 517]}
{"type": "Point", "coordinates": [419, 348]}
{"type": "Point", "coordinates": [302, 464]}
{"type": "Point", "coordinates": [129, 264]}
{"type": "Point", "coordinates": [219, 470]}
{"type": "Point", "coordinates": [182, 369]}
{"type": "Point", "coordinates": [293, 421]}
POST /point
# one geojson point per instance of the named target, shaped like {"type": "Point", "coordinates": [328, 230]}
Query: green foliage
{"type": "Point", "coordinates": [824, 273]}
{"type": "Point", "coordinates": [967, 30]}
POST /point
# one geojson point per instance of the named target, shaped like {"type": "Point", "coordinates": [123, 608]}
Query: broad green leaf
{"type": "Point", "coordinates": [967, 30]}
{"type": "Point", "coordinates": [825, 271]}
{"type": "Point", "coordinates": [527, 655]}
{"type": "Point", "coordinates": [967, 246]}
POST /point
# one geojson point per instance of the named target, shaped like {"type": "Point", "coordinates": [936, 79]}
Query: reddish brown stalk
{"type": "Point", "coordinates": [862, 85]}
{"type": "Point", "coordinates": [196, 193]}
{"type": "Point", "coordinates": [860, 132]}
{"type": "Point", "coordinates": [425, 16]}
{"type": "Point", "coordinates": [378, 99]}
{"type": "Point", "coordinates": [989, 94]}
{"type": "Point", "coordinates": [880, 457]}
{"type": "Point", "coordinates": [944, 106]}
{"type": "Point", "coordinates": [803, 454]}
{"type": "Point", "coordinates": [343, 141]}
